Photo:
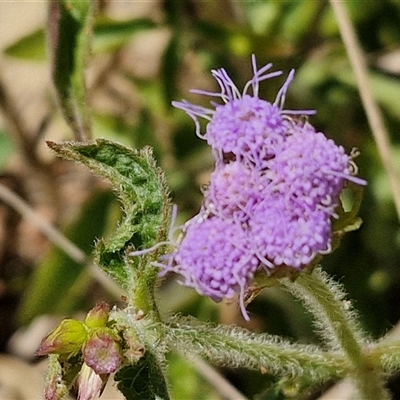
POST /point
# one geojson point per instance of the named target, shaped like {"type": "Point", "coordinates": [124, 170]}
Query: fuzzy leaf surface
{"type": "Point", "coordinates": [144, 380]}
{"type": "Point", "coordinates": [141, 189]}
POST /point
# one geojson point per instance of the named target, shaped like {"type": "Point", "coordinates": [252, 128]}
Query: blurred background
{"type": "Point", "coordinates": [144, 55]}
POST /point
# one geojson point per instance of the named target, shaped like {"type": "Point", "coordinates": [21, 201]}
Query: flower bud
{"type": "Point", "coordinates": [89, 383]}
{"type": "Point", "coordinates": [97, 317]}
{"type": "Point", "coordinates": [67, 338]}
{"type": "Point", "coordinates": [102, 352]}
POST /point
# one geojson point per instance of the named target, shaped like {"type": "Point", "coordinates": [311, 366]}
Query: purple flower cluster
{"type": "Point", "coordinates": [272, 196]}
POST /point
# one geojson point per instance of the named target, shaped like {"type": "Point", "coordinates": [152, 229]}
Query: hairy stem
{"type": "Point", "coordinates": [235, 347]}
{"type": "Point", "coordinates": [338, 326]}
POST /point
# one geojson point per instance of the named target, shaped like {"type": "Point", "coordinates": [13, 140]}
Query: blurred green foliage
{"type": "Point", "coordinates": [6, 148]}
{"type": "Point", "coordinates": [204, 35]}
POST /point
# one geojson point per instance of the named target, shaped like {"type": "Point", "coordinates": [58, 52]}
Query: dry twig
{"type": "Point", "coordinates": [372, 111]}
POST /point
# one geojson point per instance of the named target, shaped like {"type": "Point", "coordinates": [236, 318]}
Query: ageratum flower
{"type": "Point", "coordinates": [234, 190]}
{"type": "Point", "coordinates": [215, 257]}
{"type": "Point", "coordinates": [311, 169]}
{"type": "Point", "coordinates": [246, 127]}
{"type": "Point", "coordinates": [272, 196]}
{"type": "Point", "coordinates": [286, 233]}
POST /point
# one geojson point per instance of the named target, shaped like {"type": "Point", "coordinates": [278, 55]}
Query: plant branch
{"type": "Point", "coordinates": [334, 318]}
{"type": "Point", "coordinates": [372, 111]}
{"type": "Point", "coordinates": [235, 347]}
{"type": "Point", "coordinates": [338, 325]}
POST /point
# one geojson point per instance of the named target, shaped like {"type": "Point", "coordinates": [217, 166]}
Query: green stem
{"type": "Point", "coordinates": [142, 295]}
{"type": "Point", "coordinates": [231, 346]}
{"type": "Point", "coordinates": [144, 377]}
{"type": "Point", "coordinates": [387, 353]}
{"type": "Point", "coordinates": [338, 326]}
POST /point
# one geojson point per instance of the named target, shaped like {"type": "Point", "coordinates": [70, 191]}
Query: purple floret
{"type": "Point", "coordinates": [248, 128]}
{"type": "Point", "coordinates": [311, 169]}
{"type": "Point", "coordinates": [285, 234]}
{"type": "Point", "coordinates": [234, 190]}
{"type": "Point", "coordinates": [239, 103]}
{"type": "Point", "coordinates": [215, 257]}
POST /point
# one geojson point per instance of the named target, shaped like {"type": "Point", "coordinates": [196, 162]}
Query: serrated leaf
{"type": "Point", "coordinates": [142, 190]}
{"type": "Point", "coordinates": [30, 47]}
{"type": "Point", "coordinates": [144, 380]}
{"type": "Point", "coordinates": [70, 26]}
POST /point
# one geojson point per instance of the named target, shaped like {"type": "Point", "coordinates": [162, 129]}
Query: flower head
{"type": "Point", "coordinates": [248, 128]}
{"type": "Point", "coordinates": [215, 257]}
{"type": "Point", "coordinates": [245, 126]}
{"type": "Point", "coordinates": [273, 193]}
{"type": "Point", "coordinates": [233, 191]}
{"type": "Point", "coordinates": [285, 234]}
{"type": "Point", "coordinates": [310, 167]}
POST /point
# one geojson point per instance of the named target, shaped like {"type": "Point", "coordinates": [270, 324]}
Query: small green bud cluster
{"type": "Point", "coordinates": [95, 344]}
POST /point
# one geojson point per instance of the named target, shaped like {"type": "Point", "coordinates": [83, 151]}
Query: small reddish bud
{"type": "Point", "coordinates": [102, 353]}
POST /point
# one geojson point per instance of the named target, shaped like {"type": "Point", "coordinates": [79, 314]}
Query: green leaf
{"type": "Point", "coordinates": [142, 190]}
{"type": "Point", "coordinates": [30, 47]}
{"type": "Point", "coordinates": [70, 26]}
{"type": "Point", "coordinates": [110, 35]}
{"type": "Point", "coordinates": [144, 380]}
